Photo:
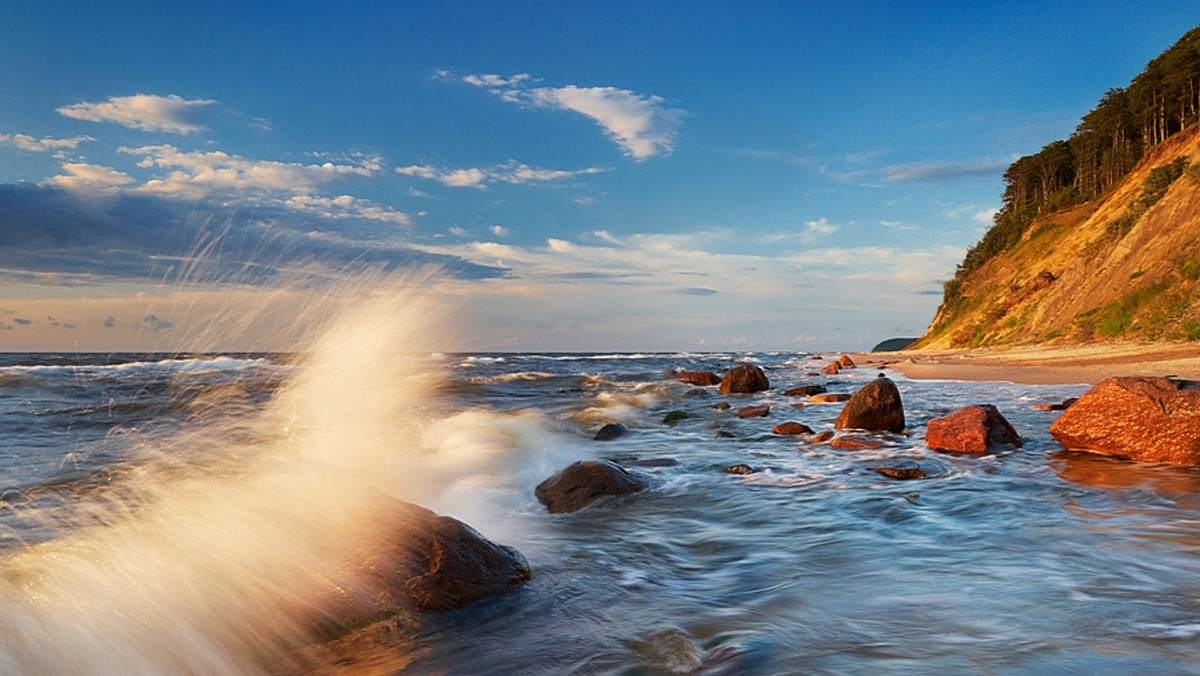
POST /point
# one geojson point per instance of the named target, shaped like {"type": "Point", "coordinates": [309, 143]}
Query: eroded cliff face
{"type": "Point", "coordinates": [1112, 269]}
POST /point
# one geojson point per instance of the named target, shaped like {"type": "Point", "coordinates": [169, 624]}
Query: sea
{"type": "Point", "coordinates": [167, 513]}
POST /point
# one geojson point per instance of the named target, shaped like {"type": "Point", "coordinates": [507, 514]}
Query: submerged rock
{"type": "Point", "coordinates": [850, 442]}
{"type": "Point", "coordinates": [674, 417]}
{"type": "Point", "coordinates": [792, 428]}
{"type": "Point", "coordinates": [739, 469]}
{"type": "Point", "coordinates": [1060, 406]}
{"type": "Point", "coordinates": [754, 411]}
{"type": "Point", "coordinates": [743, 379]}
{"type": "Point", "coordinates": [875, 406]}
{"type": "Point", "coordinates": [703, 378]}
{"type": "Point", "coordinates": [971, 429]}
{"type": "Point", "coordinates": [584, 482]}
{"type": "Point", "coordinates": [1142, 418]}
{"type": "Point", "coordinates": [901, 469]}
{"type": "Point", "coordinates": [805, 391]}
{"type": "Point", "coordinates": [821, 437]}
{"type": "Point", "coordinates": [610, 431]}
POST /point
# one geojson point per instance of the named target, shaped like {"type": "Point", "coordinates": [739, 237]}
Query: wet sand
{"type": "Point", "coordinates": [1040, 365]}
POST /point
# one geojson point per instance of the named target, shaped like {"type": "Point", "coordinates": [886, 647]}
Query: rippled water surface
{"type": "Point", "coordinates": [1031, 560]}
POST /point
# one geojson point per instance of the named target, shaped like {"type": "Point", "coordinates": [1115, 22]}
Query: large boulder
{"type": "Point", "coordinates": [582, 483]}
{"type": "Point", "coordinates": [971, 429]}
{"type": "Point", "coordinates": [744, 378]}
{"type": "Point", "coordinates": [875, 406]}
{"type": "Point", "coordinates": [698, 377]}
{"type": "Point", "coordinates": [1141, 418]}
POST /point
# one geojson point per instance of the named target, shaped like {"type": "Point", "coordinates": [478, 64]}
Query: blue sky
{"type": "Point", "coordinates": [590, 176]}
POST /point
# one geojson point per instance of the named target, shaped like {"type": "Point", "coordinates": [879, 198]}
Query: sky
{"type": "Point", "coordinates": [585, 176]}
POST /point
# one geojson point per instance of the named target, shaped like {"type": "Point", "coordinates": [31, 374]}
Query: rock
{"type": "Point", "coordinates": [651, 462]}
{"type": "Point", "coordinates": [971, 429]}
{"type": "Point", "coordinates": [440, 563]}
{"type": "Point", "coordinates": [901, 469]}
{"type": "Point", "coordinates": [792, 428]}
{"type": "Point", "coordinates": [855, 442]}
{"type": "Point", "coordinates": [1062, 406]}
{"type": "Point", "coordinates": [610, 431]}
{"type": "Point", "coordinates": [696, 392]}
{"type": "Point", "coordinates": [821, 437]}
{"type": "Point", "coordinates": [1142, 418]}
{"type": "Point", "coordinates": [831, 368]}
{"type": "Point", "coordinates": [743, 379]}
{"type": "Point", "coordinates": [582, 483]}
{"type": "Point", "coordinates": [698, 377]}
{"type": "Point", "coordinates": [845, 362]}
{"type": "Point", "coordinates": [830, 398]}
{"type": "Point", "coordinates": [805, 391]}
{"type": "Point", "coordinates": [875, 406]}
{"type": "Point", "coordinates": [739, 469]}
{"type": "Point", "coordinates": [755, 411]}
{"type": "Point", "coordinates": [722, 406]}
{"type": "Point", "coordinates": [674, 417]}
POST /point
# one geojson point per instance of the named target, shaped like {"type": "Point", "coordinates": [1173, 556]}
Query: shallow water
{"type": "Point", "coordinates": [1032, 560]}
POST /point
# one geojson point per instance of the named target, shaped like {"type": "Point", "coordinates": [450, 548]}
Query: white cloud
{"type": "Point", "coordinates": [83, 176]}
{"type": "Point", "coordinates": [987, 216]}
{"type": "Point", "coordinates": [512, 172]}
{"type": "Point", "coordinates": [640, 124]}
{"type": "Point", "coordinates": [30, 144]}
{"type": "Point", "coordinates": [816, 229]}
{"type": "Point", "coordinates": [147, 112]}
{"type": "Point", "coordinates": [499, 230]}
{"type": "Point", "coordinates": [347, 206]}
{"type": "Point", "coordinates": [199, 173]}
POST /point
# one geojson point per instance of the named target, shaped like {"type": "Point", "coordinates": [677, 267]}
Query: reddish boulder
{"type": "Point", "coordinates": [875, 406]}
{"type": "Point", "coordinates": [745, 378]}
{"type": "Point", "coordinates": [853, 442]}
{"type": "Point", "coordinates": [831, 368]}
{"type": "Point", "coordinates": [1140, 418]}
{"type": "Point", "coordinates": [584, 482]}
{"type": "Point", "coordinates": [805, 391]}
{"type": "Point", "coordinates": [792, 428]}
{"type": "Point", "coordinates": [702, 378]}
{"type": "Point", "coordinates": [971, 429]}
{"type": "Point", "coordinates": [755, 411]}
{"type": "Point", "coordinates": [845, 362]}
{"type": "Point", "coordinates": [821, 437]}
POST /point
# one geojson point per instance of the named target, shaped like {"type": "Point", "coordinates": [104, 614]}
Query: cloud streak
{"type": "Point", "coordinates": [641, 125]}
{"type": "Point", "coordinates": [30, 144]}
{"type": "Point", "coordinates": [513, 172]}
{"type": "Point", "coordinates": [147, 112]}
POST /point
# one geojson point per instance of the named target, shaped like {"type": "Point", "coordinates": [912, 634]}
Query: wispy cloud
{"type": "Point", "coordinates": [146, 112]}
{"type": "Point", "coordinates": [84, 176]}
{"type": "Point", "coordinates": [809, 232]}
{"type": "Point", "coordinates": [513, 172]}
{"type": "Point", "coordinates": [642, 125]}
{"type": "Point", "coordinates": [30, 144]}
{"type": "Point", "coordinates": [940, 171]}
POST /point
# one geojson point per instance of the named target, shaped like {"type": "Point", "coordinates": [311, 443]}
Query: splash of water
{"type": "Point", "coordinates": [230, 543]}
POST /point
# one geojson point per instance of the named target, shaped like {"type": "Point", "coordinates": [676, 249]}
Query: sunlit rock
{"type": "Point", "coordinates": [971, 429]}
{"type": "Point", "coordinates": [876, 406]}
{"type": "Point", "coordinates": [744, 378]}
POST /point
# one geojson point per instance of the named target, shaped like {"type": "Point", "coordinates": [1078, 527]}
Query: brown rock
{"type": "Point", "coordinates": [755, 411]}
{"type": "Point", "coordinates": [1064, 405]}
{"type": "Point", "coordinates": [805, 391]}
{"type": "Point", "coordinates": [831, 368]}
{"type": "Point", "coordinates": [698, 378]}
{"type": "Point", "coordinates": [875, 406]}
{"type": "Point", "coordinates": [901, 469]}
{"type": "Point", "coordinates": [744, 378]}
{"type": "Point", "coordinates": [971, 429]}
{"type": "Point", "coordinates": [739, 469]}
{"type": "Point", "coordinates": [584, 482]}
{"type": "Point", "coordinates": [821, 437]}
{"type": "Point", "coordinates": [610, 431]}
{"type": "Point", "coordinates": [830, 398]}
{"type": "Point", "coordinates": [1142, 418]}
{"type": "Point", "coordinates": [855, 442]}
{"type": "Point", "coordinates": [792, 428]}
{"type": "Point", "coordinates": [845, 362]}
{"type": "Point", "coordinates": [722, 406]}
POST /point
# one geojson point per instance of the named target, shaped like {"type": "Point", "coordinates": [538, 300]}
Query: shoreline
{"type": "Point", "coordinates": [1043, 365]}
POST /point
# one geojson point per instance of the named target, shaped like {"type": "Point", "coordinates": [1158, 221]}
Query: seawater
{"type": "Point", "coordinates": [166, 514]}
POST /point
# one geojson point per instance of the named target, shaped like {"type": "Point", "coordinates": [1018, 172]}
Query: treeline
{"type": "Point", "coordinates": [1110, 140]}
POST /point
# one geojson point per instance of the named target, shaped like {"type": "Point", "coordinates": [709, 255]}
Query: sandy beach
{"type": "Point", "coordinates": [1041, 365]}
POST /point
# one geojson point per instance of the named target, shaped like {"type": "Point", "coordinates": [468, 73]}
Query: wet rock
{"type": "Point", "coordinates": [723, 406]}
{"type": "Point", "coordinates": [439, 563]}
{"type": "Point", "coordinates": [831, 368]}
{"type": "Point", "coordinates": [805, 391]}
{"type": "Point", "coordinates": [743, 379]}
{"type": "Point", "coordinates": [971, 429]}
{"type": "Point", "coordinates": [1061, 406]}
{"type": "Point", "coordinates": [670, 652]}
{"type": "Point", "coordinates": [754, 411]}
{"type": "Point", "coordinates": [792, 428]}
{"type": "Point", "coordinates": [739, 469]}
{"type": "Point", "coordinates": [696, 392]}
{"type": "Point", "coordinates": [852, 442]}
{"type": "Point", "coordinates": [830, 398]}
{"type": "Point", "coordinates": [1142, 418]}
{"type": "Point", "coordinates": [582, 483]}
{"type": "Point", "coordinates": [702, 378]}
{"type": "Point", "coordinates": [610, 431]}
{"type": "Point", "coordinates": [674, 417]}
{"type": "Point", "coordinates": [845, 362]}
{"type": "Point", "coordinates": [821, 437]}
{"type": "Point", "coordinates": [901, 469]}
{"type": "Point", "coordinates": [875, 406]}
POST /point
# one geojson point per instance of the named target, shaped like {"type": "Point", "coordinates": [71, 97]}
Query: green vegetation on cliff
{"type": "Point", "coordinates": [1065, 183]}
